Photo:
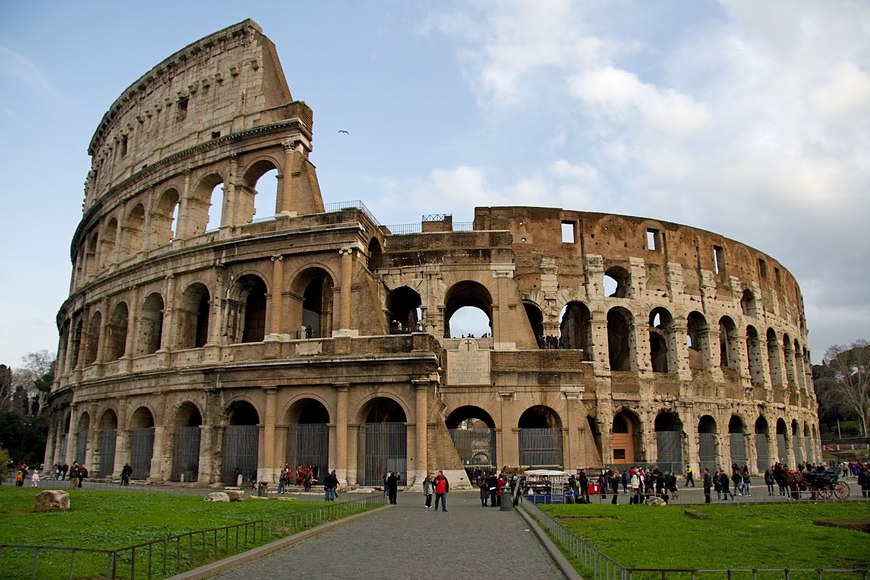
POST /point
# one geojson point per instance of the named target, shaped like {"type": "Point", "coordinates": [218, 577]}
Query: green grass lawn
{"type": "Point", "coordinates": [735, 536]}
{"type": "Point", "coordinates": [119, 519]}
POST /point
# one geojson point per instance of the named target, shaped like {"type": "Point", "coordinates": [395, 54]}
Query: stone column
{"type": "Point", "coordinates": [341, 439]}
{"type": "Point", "coordinates": [506, 440]}
{"type": "Point", "coordinates": [158, 454]}
{"type": "Point", "coordinates": [571, 452]}
{"type": "Point", "coordinates": [167, 340]}
{"type": "Point", "coordinates": [285, 199]}
{"type": "Point", "coordinates": [206, 457]}
{"type": "Point", "coordinates": [267, 471]}
{"type": "Point", "coordinates": [277, 298]}
{"type": "Point", "coordinates": [345, 293]}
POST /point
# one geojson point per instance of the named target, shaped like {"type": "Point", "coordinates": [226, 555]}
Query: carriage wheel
{"type": "Point", "coordinates": [841, 490]}
{"type": "Point", "coordinates": [826, 493]}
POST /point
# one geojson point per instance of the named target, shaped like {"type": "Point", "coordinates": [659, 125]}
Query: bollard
{"type": "Point", "coordinates": [507, 500]}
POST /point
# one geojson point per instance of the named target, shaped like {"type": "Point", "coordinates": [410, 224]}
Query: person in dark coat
{"type": "Point", "coordinates": [393, 486]}
{"type": "Point", "coordinates": [708, 483]}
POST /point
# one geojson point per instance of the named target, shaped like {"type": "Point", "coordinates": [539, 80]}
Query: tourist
{"type": "Point", "coordinates": [725, 484]}
{"type": "Point", "coordinates": [707, 484]}
{"type": "Point", "coordinates": [126, 474]}
{"type": "Point", "coordinates": [427, 492]}
{"type": "Point", "coordinates": [690, 476]}
{"type": "Point", "coordinates": [330, 484]}
{"type": "Point", "coordinates": [747, 482]}
{"type": "Point", "coordinates": [442, 488]}
{"type": "Point", "coordinates": [484, 490]}
{"type": "Point", "coordinates": [34, 479]}
{"type": "Point", "coordinates": [393, 486]}
{"type": "Point", "coordinates": [769, 481]}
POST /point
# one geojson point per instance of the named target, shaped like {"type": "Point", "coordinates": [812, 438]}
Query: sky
{"type": "Point", "coordinates": [748, 118]}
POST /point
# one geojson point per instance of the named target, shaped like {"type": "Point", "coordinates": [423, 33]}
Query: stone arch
{"type": "Point", "coordinates": [617, 282]}
{"type": "Point", "coordinates": [540, 437]}
{"type": "Point", "coordinates": [186, 440]}
{"type": "Point", "coordinates": [205, 209]}
{"type": "Point", "coordinates": [781, 440]}
{"type": "Point", "coordinates": [382, 440]}
{"type": "Point", "coordinates": [81, 438]}
{"type": "Point", "coordinates": [257, 198]}
{"type": "Point", "coordinates": [661, 341]}
{"type": "Point", "coordinates": [697, 340]}
{"type": "Point", "coordinates": [116, 333]}
{"type": "Point", "coordinates": [747, 303]}
{"type": "Point", "coordinates": [762, 444]}
{"type": "Point", "coordinates": [78, 331]}
{"type": "Point", "coordinates": [105, 463]}
{"type": "Point", "coordinates": [307, 433]}
{"type": "Point", "coordinates": [754, 356]}
{"type": "Point", "coordinates": [141, 442]}
{"type": "Point", "coordinates": [708, 443]}
{"type": "Point", "coordinates": [773, 358]}
{"type": "Point", "coordinates": [240, 443]}
{"type": "Point", "coordinates": [132, 232]}
{"type": "Point", "coordinates": [91, 258]}
{"type": "Point", "coordinates": [620, 339]}
{"type": "Point", "coordinates": [575, 328]}
{"type": "Point", "coordinates": [796, 442]}
{"type": "Point", "coordinates": [108, 242]}
{"type": "Point", "coordinates": [669, 441]}
{"type": "Point", "coordinates": [150, 337]}
{"type": "Point", "coordinates": [164, 218]}
{"type": "Point", "coordinates": [472, 430]}
{"type": "Point", "coordinates": [626, 438]}
{"type": "Point", "coordinates": [737, 436]}
{"type": "Point", "coordinates": [92, 347]}
{"type": "Point", "coordinates": [312, 307]}
{"type": "Point", "coordinates": [403, 308]}
{"type": "Point", "coordinates": [536, 321]}
{"type": "Point", "coordinates": [375, 255]}
{"type": "Point", "coordinates": [467, 294]}
{"type": "Point", "coordinates": [193, 315]}
{"type": "Point", "coordinates": [728, 344]}
{"type": "Point", "coordinates": [246, 317]}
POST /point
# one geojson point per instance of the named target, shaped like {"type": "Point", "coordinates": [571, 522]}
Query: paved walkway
{"type": "Point", "coordinates": [409, 541]}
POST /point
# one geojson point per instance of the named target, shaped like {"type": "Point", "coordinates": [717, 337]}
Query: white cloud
{"type": "Point", "coordinates": [23, 73]}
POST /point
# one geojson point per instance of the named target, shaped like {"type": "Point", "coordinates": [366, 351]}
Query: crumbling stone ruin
{"type": "Point", "coordinates": [212, 331]}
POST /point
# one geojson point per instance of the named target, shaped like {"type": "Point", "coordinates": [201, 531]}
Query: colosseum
{"type": "Point", "coordinates": [212, 330]}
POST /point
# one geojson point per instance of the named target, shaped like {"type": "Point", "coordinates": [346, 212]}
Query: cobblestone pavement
{"type": "Point", "coordinates": [409, 541]}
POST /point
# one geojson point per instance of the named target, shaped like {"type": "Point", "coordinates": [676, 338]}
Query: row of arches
{"type": "Point", "coordinates": [181, 210]}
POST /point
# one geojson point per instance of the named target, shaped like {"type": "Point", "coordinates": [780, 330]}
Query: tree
{"type": "Point", "coordinates": [844, 381]}
{"type": "Point", "coordinates": [33, 380]}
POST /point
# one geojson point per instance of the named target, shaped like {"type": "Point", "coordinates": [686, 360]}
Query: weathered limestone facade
{"type": "Point", "coordinates": [198, 349]}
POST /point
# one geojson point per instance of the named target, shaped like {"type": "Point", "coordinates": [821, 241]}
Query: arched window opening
{"type": "Point", "coordinates": [669, 442]}
{"type": "Point", "coordinates": [91, 269]}
{"type": "Point", "coordinates": [81, 439]}
{"type": "Point", "coordinates": [375, 255]}
{"type": "Point", "coordinates": [116, 332]}
{"type": "Point", "coordinates": [76, 344]}
{"type": "Point", "coordinates": [747, 303]}
{"type": "Point", "coordinates": [727, 343]}
{"type": "Point", "coordinates": [625, 440]}
{"type": "Point", "coordinates": [753, 352]}
{"type": "Point", "coordinates": [403, 307]}
{"type": "Point", "coordinates": [266, 195]}
{"type": "Point", "coordinates": [215, 208]}
{"type": "Point", "coordinates": [617, 282]}
{"type": "Point", "coordinates": [661, 331]}
{"type": "Point", "coordinates": [619, 335]}
{"type": "Point", "coordinates": [781, 441]}
{"type": "Point", "coordinates": [93, 338]}
{"type": "Point", "coordinates": [256, 198]}
{"type": "Point", "coordinates": [193, 317]}
{"type": "Point", "coordinates": [762, 445]}
{"type": "Point", "coordinates": [308, 435]}
{"type": "Point", "coordinates": [575, 328]}
{"type": "Point", "coordinates": [186, 443]}
{"type": "Point", "coordinates": [708, 451]}
{"type": "Point", "coordinates": [240, 445]}
{"type": "Point", "coordinates": [737, 436]}
{"type": "Point", "coordinates": [791, 362]}
{"type": "Point", "coordinates": [473, 433]}
{"type": "Point", "coordinates": [253, 315]}
{"type": "Point", "coordinates": [141, 442]}
{"type": "Point", "coordinates": [108, 244]}
{"type": "Point", "coordinates": [132, 231]}
{"type": "Point", "coordinates": [383, 444]}
{"type": "Point", "coordinates": [540, 437]}
{"type": "Point", "coordinates": [467, 311]}
{"type": "Point", "coordinates": [312, 309]}
{"type": "Point", "coordinates": [312, 315]}
{"type": "Point", "coordinates": [773, 358]}
{"type": "Point", "coordinates": [163, 219]}
{"type": "Point", "coordinates": [536, 322]}
{"type": "Point", "coordinates": [151, 325]}
{"type": "Point", "coordinates": [698, 341]}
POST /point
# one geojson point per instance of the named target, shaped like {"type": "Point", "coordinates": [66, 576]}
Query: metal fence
{"type": "Point", "coordinates": [593, 563]}
{"type": "Point", "coordinates": [171, 555]}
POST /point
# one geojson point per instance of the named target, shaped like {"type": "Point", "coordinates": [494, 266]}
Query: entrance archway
{"type": "Point", "coordinates": [540, 437]}
{"type": "Point", "coordinates": [473, 432]}
{"type": "Point", "coordinates": [108, 437]}
{"type": "Point", "coordinates": [625, 440]}
{"type": "Point", "coordinates": [240, 444]}
{"type": "Point", "coordinates": [708, 443]}
{"type": "Point", "coordinates": [669, 442]}
{"type": "Point", "coordinates": [308, 435]}
{"type": "Point", "coordinates": [141, 442]}
{"type": "Point", "coordinates": [762, 444]}
{"type": "Point", "coordinates": [382, 441]}
{"type": "Point", "coordinates": [185, 443]}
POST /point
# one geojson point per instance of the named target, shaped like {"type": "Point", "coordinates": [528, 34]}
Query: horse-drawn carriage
{"type": "Point", "coordinates": [821, 484]}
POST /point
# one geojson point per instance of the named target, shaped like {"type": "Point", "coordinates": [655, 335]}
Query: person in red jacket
{"type": "Point", "coordinates": [442, 487]}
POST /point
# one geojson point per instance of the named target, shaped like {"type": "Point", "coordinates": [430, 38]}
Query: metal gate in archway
{"type": "Point", "coordinates": [141, 451]}
{"type": "Point", "coordinates": [781, 448]}
{"type": "Point", "coordinates": [738, 448]}
{"type": "Point", "coordinates": [382, 448]}
{"type": "Point", "coordinates": [669, 448]}
{"type": "Point", "coordinates": [239, 449]}
{"type": "Point", "coordinates": [185, 453]}
{"type": "Point", "coordinates": [797, 449]}
{"type": "Point", "coordinates": [762, 450]}
{"type": "Point", "coordinates": [81, 447]}
{"type": "Point", "coordinates": [107, 452]}
{"type": "Point", "coordinates": [308, 444]}
{"type": "Point", "coordinates": [540, 447]}
{"type": "Point", "coordinates": [476, 447]}
{"type": "Point", "coordinates": [707, 456]}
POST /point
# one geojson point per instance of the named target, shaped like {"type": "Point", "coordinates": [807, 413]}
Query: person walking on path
{"type": "Point", "coordinates": [427, 491]}
{"type": "Point", "coordinates": [442, 488]}
{"type": "Point", "coordinates": [393, 486]}
{"type": "Point", "coordinates": [34, 479]}
{"type": "Point", "coordinates": [708, 483]}
{"type": "Point", "coordinates": [690, 476]}
{"type": "Point", "coordinates": [330, 483]}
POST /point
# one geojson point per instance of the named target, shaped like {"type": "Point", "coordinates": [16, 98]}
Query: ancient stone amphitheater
{"type": "Point", "coordinates": [214, 329]}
